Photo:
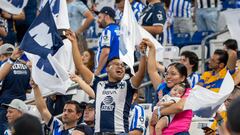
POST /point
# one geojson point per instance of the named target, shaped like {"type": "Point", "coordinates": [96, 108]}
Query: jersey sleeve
{"type": "Point", "coordinates": [106, 39]}
{"type": "Point", "coordinates": [138, 121]}
{"type": "Point", "coordinates": [54, 124]}
{"type": "Point", "coordinates": [159, 17]}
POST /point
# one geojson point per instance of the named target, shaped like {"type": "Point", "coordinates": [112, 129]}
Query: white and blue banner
{"type": "Point", "coordinates": [204, 102]}
{"type": "Point", "coordinates": [13, 6]}
{"type": "Point", "coordinates": [131, 34]}
{"type": "Point", "coordinates": [41, 43]}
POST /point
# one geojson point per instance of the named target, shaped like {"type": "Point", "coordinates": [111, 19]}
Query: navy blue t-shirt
{"type": "Point", "coordinates": [153, 14]}
{"type": "Point", "coordinates": [15, 83]}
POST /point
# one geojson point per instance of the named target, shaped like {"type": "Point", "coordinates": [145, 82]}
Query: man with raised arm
{"type": "Point", "coordinates": [114, 96]}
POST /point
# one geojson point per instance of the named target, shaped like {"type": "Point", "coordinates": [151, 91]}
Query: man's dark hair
{"type": "Point", "coordinates": [233, 115]}
{"type": "Point", "coordinates": [27, 125]}
{"type": "Point", "coordinates": [223, 56]}
{"type": "Point", "coordinates": [77, 105]}
{"type": "Point", "coordinates": [193, 59]}
{"type": "Point", "coordinates": [231, 44]}
{"type": "Point", "coordinates": [118, 1]}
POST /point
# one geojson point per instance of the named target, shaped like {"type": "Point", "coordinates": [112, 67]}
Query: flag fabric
{"type": "Point", "coordinates": [232, 18]}
{"type": "Point", "coordinates": [13, 6]}
{"type": "Point", "coordinates": [131, 34]}
{"type": "Point", "coordinates": [60, 15]}
{"type": "Point", "coordinates": [205, 102]}
{"type": "Point", "coordinates": [41, 43]}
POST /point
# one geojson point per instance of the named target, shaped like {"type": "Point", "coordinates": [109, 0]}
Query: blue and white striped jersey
{"type": "Point", "coordinates": [208, 4]}
{"type": "Point", "coordinates": [193, 79]}
{"type": "Point", "coordinates": [153, 14]}
{"type": "Point", "coordinates": [168, 29]}
{"type": "Point", "coordinates": [56, 126]}
{"type": "Point", "coordinates": [137, 118]}
{"type": "Point", "coordinates": [113, 102]}
{"type": "Point", "coordinates": [109, 39]}
{"type": "Point", "coordinates": [181, 8]}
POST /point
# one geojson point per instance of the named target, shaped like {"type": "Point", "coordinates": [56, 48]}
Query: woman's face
{"type": "Point", "coordinates": [86, 57]}
{"type": "Point", "coordinates": [173, 77]}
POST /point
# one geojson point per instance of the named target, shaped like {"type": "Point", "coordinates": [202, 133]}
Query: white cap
{"type": "Point", "coordinates": [6, 48]}
{"type": "Point", "coordinates": [17, 104]}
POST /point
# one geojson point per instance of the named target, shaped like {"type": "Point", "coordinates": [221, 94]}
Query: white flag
{"type": "Point", "coordinates": [205, 102]}
{"type": "Point", "coordinates": [131, 34]}
{"type": "Point", "coordinates": [13, 6]}
{"type": "Point", "coordinates": [232, 18]}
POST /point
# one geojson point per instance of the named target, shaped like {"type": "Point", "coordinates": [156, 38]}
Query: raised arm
{"type": "Point", "coordinates": [7, 15]}
{"type": "Point", "coordinates": [85, 87]}
{"type": "Point", "coordinates": [8, 65]}
{"type": "Point", "coordinates": [40, 103]}
{"type": "Point", "coordinates": [137, 79]}
{"type": "Point", "coordinates": [82, 69]}
{"type": "Point", "coordinates": [232, 59]}
{"type": "Point", "coordinates": [152, 65]}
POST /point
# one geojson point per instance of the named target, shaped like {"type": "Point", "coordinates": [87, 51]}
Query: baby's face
{"type": "Point", "coordinates": [177, 91]}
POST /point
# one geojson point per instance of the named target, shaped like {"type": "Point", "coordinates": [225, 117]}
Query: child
{"type": "Point", "coordinates": [174, 96]}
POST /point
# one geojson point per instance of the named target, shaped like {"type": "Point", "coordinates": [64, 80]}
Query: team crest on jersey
{"type": "Point", "coordinates": [105, 38]}
{"type": "Point", "coordinates": [107, 104]}
{"type": "Point", "coordinates": [121, 85]}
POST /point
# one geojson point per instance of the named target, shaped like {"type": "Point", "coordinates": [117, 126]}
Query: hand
{"type": "Point", "coordinates": [33, 84]}
{"type": "Point", "coordinates": [71, 36]}
{"type": "Point", "coordinates": [16, 54]}
{"type": "Point", "coordinates": [147, 43]}
{"type": "Point", "coordinates": [75, 78]}
{"type": "Point", "coordinates": [154, 118]}
{"type": "Point", "coordinates": [6, 15]}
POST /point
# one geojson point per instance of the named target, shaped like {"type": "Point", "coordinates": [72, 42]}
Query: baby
{"type": "Point", "coordinates": [174, 96]}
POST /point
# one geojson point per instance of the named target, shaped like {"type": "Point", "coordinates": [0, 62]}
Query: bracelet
{"type": "Point", "coordinates": [159, 112]}
{"type": "Point", "coordinates": [220, 122]}
{"type": "Point", "coordinates": [11, 61]}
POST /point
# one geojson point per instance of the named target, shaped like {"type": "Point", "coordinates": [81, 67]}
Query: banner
{"type": "Point", "coordinates": [13, 6]}
{"type": "Point", "coordinates": [204, 102]}
{"type": "Point", "coordinates": [41, 42]}
{"type": "Point", "coordinates": [131, 34]}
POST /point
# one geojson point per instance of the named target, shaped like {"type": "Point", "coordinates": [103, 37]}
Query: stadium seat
{"type": "Point", "coordinates": [215, 44]}
{"type": "Point", "coordinates": [199, 36]}
{"type": "Point", "coordinates": [181, 39]}
{"type": "Point", "coordinates": [196, 49]}
{"type": "Point", "coordinates": [170, 54]}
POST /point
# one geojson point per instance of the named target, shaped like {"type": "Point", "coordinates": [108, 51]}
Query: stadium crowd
{"type": "Point", "coordinates": [111, 105]}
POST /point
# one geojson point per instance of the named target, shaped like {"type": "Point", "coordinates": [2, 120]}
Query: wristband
{"type": "Point", "coordinates": [159, 112]}
{"type": "Point", "coordinates": [11, 61]}
{"type": "Point", "coordinates": [220, 122]}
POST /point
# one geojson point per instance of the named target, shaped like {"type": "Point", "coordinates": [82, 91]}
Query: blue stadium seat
{"type": "Point", "coordinates": [181, 39]}
{"type": "Point", "coordinates": [198, 36]}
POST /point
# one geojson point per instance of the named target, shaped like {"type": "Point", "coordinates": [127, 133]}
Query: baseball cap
{"type": "Point", "coordinates": [16, 104]}
{"type": "Point", "coordinates": [91, 103]}
{"type": "Point", "coordinates": [6, 48]}
{"type": "Point", "coordinates": [109, 11]}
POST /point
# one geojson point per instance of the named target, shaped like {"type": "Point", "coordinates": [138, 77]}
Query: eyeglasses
{"type": "Point", "coordinates": [118, 64]}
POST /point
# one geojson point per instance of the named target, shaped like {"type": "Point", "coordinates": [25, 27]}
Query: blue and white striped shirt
{"type": "Point", "coordinates": [113, 102]}
{"type": "Point", "coordinates": [109, 39]}
{"type": "Point", "coordinates": [137, 118]}
{"type": "Point", "coordinates": [181, 8]}
{"type": "Point", "coordinates": [57, 128]}
{"type": "Point", "coordinates": [193, 79]}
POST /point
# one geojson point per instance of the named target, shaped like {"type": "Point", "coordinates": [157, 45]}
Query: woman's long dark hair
{"type": "Point", "coordinates": [182, 70]}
